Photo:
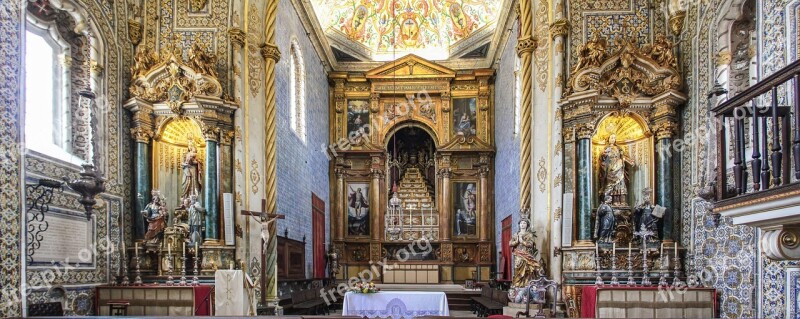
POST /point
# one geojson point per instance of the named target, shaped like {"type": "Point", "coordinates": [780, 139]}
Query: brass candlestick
{"type": "Point", "coordinates": [614, 280]}
{"type": "Point", "coordinates": [662, 280]}
{"type": "Point", "coordinates": [124, 261]}
{"type": "Point", "coordinates": [598, 280]}
{"type": "Point", "coordinates": [676, 281]}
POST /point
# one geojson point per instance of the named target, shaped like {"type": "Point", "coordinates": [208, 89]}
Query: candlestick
{"type": "Point", "coordinates": [124, 264]}
{"type": "Point", "coordinates": [170, 279]}
{"type": "Point", "coordinates": [631, 281]}
{"type": "Point", "coordinates": [598, 280]}
{"type": "Point", "coordinates": [676, 259]}
{"type": "Point", "coordinates": [614, 280]}
{"type": "Point", "coordinates": [195, 280]}
{"type": "Point", "coordinates": [662, 280]}
{"type": "Point", "coordinates": [183, 267]}
{"type": "Point", "coordinates": [138, 280]}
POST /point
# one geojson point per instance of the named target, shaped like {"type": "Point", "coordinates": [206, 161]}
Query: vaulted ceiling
{"type": "Point", "coordinates": [359, 34]}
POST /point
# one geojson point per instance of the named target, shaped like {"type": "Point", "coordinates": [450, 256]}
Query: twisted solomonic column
{"type": "Point", "coordinates": [525, 47]}
{"type": "Point", "coordinates": [272, 55]}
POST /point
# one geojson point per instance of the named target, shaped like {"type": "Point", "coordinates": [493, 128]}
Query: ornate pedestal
{"type": "Point", "coordinates": [216, 257]}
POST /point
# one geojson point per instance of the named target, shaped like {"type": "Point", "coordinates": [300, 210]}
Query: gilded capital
{"type": "Point", "coordinates": [483, 172]}
{"type": "Point", "coordinates": [526, 45]}
{"type": "Point", "coordinates": [584, 130]}
{"type": "Point", "coordinates": [211, 133]}
{"type": "Point", "coordinates": [237, 37]}
{"type": "Point", "coordinates": [665, 130]}
{"type": "Point", "coordinates": [376, 173]}
{"type": "Point", "coordinates": [226, 137]}
{"type": "Point", "coordinates": [568, 134]}
{"type": "Point", "coordinates": [559, 28]}
{"type": "Point", "coordinates": [271, 51]}
{"type": "Point", "coordinates": [445, 172]}
{"type": "Point", "coordinates": [141, 134]}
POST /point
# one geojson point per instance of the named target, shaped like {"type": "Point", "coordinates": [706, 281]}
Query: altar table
{"type": "Point", "coordinates": [396, 304]}
{"type": "Point", "coordinates": [647, 302]}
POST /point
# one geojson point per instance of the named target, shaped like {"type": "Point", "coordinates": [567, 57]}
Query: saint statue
{"type": "Point", "coordinates": [646, 215]}
{"type": "Point", "coordinates": [523, 248]}
{"type": "Point", "coordinates": [196, 221]}
{"type": "Point", "coordinates": [333, 262]}
{"type": "Point", "coordinates": [612, 172]}
{"type": "Point", "coordinates": [201, 61]}
{"type": "Point", "coordinates": [606, 222]}
{"type": "Point", "coordinates": [155, 214]}
{"type": "Point", "coordinates": [191, 173]}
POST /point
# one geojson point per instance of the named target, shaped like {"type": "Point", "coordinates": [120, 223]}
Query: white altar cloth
{"type": "Point", "coordinates": [396, 304]}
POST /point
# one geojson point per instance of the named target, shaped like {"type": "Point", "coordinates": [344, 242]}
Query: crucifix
{"type": "Point", "coordinates": [266, 219]}
{"type": "Point", "coordinates": [644, 233]}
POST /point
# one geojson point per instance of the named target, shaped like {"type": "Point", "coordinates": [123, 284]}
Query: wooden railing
{"type": "Point", "coordinates": [773, 137]}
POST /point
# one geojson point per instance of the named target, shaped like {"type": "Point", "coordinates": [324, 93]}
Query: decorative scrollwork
{"type": "Point", "coordinates": [37, 201]}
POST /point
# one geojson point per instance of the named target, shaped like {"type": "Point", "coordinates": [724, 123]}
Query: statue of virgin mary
{"type": "Point", "coordinates": [192, 184]}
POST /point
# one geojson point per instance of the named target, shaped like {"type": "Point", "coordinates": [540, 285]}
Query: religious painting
{"type": "Point", "coordinates": [464, 116]}
{"type": "Point", "coordinates": [357, 118]}
{"type": "Point", "coordinates": [465, 204]}
{"type": "Point", "coordinates": [358, 209]}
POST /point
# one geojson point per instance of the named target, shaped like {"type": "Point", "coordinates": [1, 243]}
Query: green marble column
{"type": "Point", "coordinates": [142, 187]}
{"type": "Point", "coordinates": [583, 189]}
{"type": "Point", "coordinates": [211, 191]}
{"type": "Point", "coordinates": [664, 189]}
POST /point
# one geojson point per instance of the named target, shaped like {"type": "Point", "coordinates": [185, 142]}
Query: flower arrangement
{"type": "Point", "coordinates": [365, 288]}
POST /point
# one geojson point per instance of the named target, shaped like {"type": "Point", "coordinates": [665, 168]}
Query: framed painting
{"type": "Point", "coordinates": [358, 209]}
{"type": "Point", "coordinates": [357, 118]}
{"type": "Point", "coordinates": [465, 208]}
{"type": "Point", "coordinates": [464, 116]}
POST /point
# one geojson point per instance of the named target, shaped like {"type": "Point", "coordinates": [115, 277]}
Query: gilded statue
{"type": "Point", "coordinates": [591, 53]}
{"type": "Point", "coordinates": [191, 172]}
{"type": "Point", "coordinates": [613, 176]}
{"type": "Point", "coordinates": [155, 214]}
{"type": "Point", "coordinates": [333, 262]}
{"type": "Point", "coordinates": [646, 215]}
{"type": "Point", "coordinates": [523, 248]}
{"type": "Point", "coordinates": [606, 222]}
{"type": "Point", "coordinates": [202, 62]}
{"type": "Point", "coordinates": [661, 51]}
{"type": "Point", "coordinates": [142, 62]}
{"type": "Point", "coordinates": [196, 221]}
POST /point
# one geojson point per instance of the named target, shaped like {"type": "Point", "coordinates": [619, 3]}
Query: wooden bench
{"type": "Point", "coordinates": [490, 302]}
{"type": "Point", "coordinates": [307, 302]}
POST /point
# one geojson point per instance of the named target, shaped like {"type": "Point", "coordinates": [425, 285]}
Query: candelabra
{"type": "Point", "coordinates": [183, 270]}
{"type": "Point", "coordinates": [138, 280]}
{"type": "Point", "coordinates": [662, 280]}
{"type": "Point", "coordinates": [170, 267]}
{"type": "Point", "coordinates": [195, 280]}
{"type": "Point", "coordinates": [676, 281]}
{"type": "Point", "coordinates": [614, 280]}
{"type": "Point", "coordinates": [599, 280]}
{"type": "Point", "coordinates": [631, 281]}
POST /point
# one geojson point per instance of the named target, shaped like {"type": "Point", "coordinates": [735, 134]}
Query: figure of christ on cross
{"type": "Point", "coordinates": [266, 219]}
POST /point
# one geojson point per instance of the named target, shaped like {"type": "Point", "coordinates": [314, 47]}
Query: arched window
{"type": "Point", "coordinates": [47, 110]}
{"type": "Point", "coordinates": [298, 92]}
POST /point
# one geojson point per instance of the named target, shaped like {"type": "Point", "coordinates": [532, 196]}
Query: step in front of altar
{"type": "Point", "coordinates": [411, 274]}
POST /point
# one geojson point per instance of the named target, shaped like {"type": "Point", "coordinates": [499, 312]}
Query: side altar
{"type": "Point", "coordinates": [182, 126]}
{"type": "Point", "coordinates": [413, 156]}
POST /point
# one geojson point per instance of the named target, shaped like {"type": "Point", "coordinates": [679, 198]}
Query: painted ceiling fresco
{"type": "Point", "coordinates": [391, 28]}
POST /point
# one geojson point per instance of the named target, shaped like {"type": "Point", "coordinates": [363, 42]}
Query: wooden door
{"type": "Point", "coordinates": [318, 237]}
{"type": "Point", "coordinates": [505, 258]}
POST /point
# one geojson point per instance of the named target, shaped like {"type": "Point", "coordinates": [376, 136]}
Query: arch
{"type": "Point", "coordinates": [297, 90]}
{"type": "Point", "coordinates": [409, 123]}
{"type": "Point", "coordinates": [601, 129]}
{"type": "Point", "coordinates": [168, 130]}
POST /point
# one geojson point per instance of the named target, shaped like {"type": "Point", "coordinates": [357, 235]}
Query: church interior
{"type": "Point", "coordinates": [400, 158]}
